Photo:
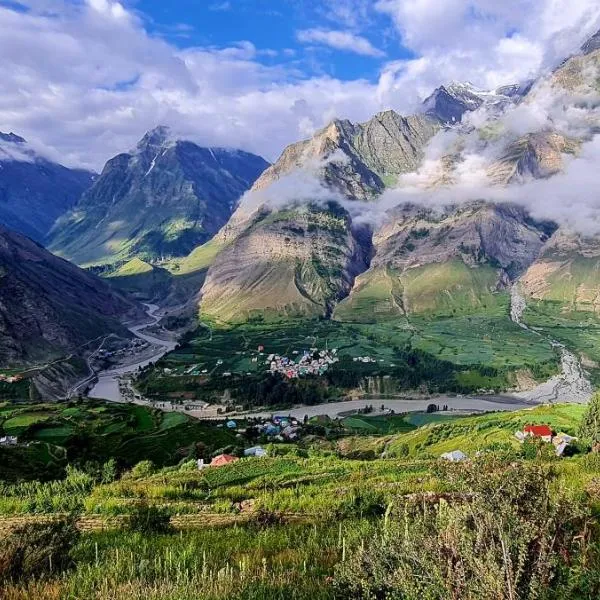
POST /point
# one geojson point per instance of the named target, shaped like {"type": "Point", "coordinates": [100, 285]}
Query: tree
{"type": "Point", "coordinates": [590, 424]}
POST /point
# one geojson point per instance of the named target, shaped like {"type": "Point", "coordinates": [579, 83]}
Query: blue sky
{"type": "Point", "coordinates": [83, 80]}
{"type": "Point", "coordinates": [275, 28]}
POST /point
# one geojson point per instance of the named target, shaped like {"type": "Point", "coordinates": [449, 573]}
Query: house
{"type": "Point", "coordinates": [454, 456]}
{"type": "Point", "coordinates": [255, 451]}
{"type": "Point", "coordinates": [561, 442]}
{"type": "Point", "coordinates": [539, 431]}
{"type": "Point", "coordinates": [223, 459]}
{"type": "Point", "coordinates": [8, 440]}
{"type": "Point", "coordinates": [201, 464]}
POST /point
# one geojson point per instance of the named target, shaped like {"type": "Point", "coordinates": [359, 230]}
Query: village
{"type": "Point", "coordinates": [541, 433]}
{"type": "Point", "coordinates": [302, 363]}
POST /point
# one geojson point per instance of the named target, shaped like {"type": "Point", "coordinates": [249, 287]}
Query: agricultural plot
{"type": "Point", "coordinates": [50, 435]}
{"type": "Point", "coordinates": [463, 354]}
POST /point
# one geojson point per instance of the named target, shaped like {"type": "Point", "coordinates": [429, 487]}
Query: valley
{"type": "Point", "coordinates": [363, 369]}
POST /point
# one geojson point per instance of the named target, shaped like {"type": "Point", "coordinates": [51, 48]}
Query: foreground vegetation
{"type": "Point", "coordinates": [371, 515]}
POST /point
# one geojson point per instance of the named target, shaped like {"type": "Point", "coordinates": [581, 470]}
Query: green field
{"type": "Point", "coordinates": [296, 524]}
{"type": "Point", "coordinates": [78, 432]}
{"type": "Point", "coordinates": [465, 353]}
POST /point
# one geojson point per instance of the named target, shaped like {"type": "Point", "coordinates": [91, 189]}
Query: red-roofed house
{"type": "Point", "coordinates": [540, 431]}
{"type": "Point", "coordinates": [223, 459]}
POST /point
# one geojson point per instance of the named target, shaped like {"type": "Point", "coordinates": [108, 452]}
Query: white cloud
{"type": "Point", "coordinates": [487, 42]}
{"type": "Point", "coordinates": [339, 40]}
{"type": "Point", "coordinates": [86, 84]}
{"type": "Point", "coordinates": [83, 81]}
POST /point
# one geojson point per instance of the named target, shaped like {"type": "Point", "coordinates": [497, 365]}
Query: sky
{"type": "Point", "coordinates": [83, 80]}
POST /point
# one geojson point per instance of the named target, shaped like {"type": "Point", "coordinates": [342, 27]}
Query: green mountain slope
{"type": "Point", "coordinates": [48, 306]}
{"type": "Point", "coordinates": [160, 201]}
{"type": "Point", "coordinates": [34, 191]}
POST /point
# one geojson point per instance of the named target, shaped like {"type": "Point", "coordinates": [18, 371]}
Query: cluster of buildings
{"type": "Point", "coordinates": [134, 346]}
{"type": "Point", "coordinates": [561, 441]}
{"type": "Point", "coordinates": [226, 459]}
{"type": "Point", "coordinates": [310, 362]}
{"type": "Point", "coordinates": [279, 429]}
{"type": "Point", "coordinates": [9, 440]}
{"type": "Point", "coordinates": [365, 359]}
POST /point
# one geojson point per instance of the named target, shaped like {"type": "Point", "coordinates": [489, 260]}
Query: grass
{"type": "Point", "coordinates": [286, 520]}
{"type": "Point", "coordinates": [91, 430]}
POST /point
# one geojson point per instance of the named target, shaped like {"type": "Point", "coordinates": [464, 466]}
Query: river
{"type": "Point", "coordinates": [107, 387]}
{"type": "Point", "coordinates": [571, 384]}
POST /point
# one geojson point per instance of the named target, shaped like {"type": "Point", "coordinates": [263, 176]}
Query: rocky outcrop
{"type": "Point", "coordinates": [536, 155]}
{"type": "Point", "coordinates": [369, 156]}
{"type": "Point", "coordinates": [159, 201]}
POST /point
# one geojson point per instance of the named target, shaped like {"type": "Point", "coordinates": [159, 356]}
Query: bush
{"type": "Point", "coordinates": [149, 518]}
{"type": "Point", "coordinates": [503, 536]}
{"type": "Point", "coordinates": [143, 469]}
{"type": "Point", "coordinates": [38, 550]}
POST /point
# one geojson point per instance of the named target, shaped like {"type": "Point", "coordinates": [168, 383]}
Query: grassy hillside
{"type": "Point", "coordinates": [305, 522]}
{"type": "Point", "coordinates": [447, 432]}
{"type": "Point", "coordinates": [62, 433]}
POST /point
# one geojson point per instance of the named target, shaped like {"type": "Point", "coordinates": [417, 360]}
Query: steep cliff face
{"type": "Point", "coordinates": [457, 259]}
{"type": "Point", "coordinates": [372, 154]}
{"type": "Point", "coordinates": [34, 191]}
{"type": "Point", "coordinates": [162, 200]}
{"type": "Point", "coordinates": [49, 307]}
{"type": "Point", "coordinates": [287, 264]}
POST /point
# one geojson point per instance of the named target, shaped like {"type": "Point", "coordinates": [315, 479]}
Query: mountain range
{"type": "Point", "coordinates": [159, 201]}
{"type": "Point", "coordinates": [362, 223]}
{"type": "Point", "coordinates": [288, 256]}
{"type": "Point", "coordinates": [35, 191]}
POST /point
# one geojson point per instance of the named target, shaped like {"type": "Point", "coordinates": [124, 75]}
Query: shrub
{"type": "Point", "coordinates": [503, 536]}
{"type": "Point", "coordinates": [143, 469]}
{"type": "Point", "coordinates": [38, 550]}
{"type": "Point", "coordinates": [149, 518]}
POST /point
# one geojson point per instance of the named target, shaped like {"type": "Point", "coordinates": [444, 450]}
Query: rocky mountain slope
{"type": "Point", "coordinates": [49, 307]}
{"type": "Point", "coordinates": [307, 257]}
{"type": "Point", "coordinates": [159, 201]}
{"type": "Point", "coordinates": [34, 191]}
{"type": "Point", "coordinates": [295, 262]}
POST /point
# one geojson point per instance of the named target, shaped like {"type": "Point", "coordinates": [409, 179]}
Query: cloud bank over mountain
{"type": "Point", "coordinates": [85, 80]}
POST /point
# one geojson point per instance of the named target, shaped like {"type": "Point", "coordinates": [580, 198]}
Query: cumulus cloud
{"type": "Point", "coordinates": [569, 198]}
{"type": "Point", "coordinates": [487, 42]}
{"type": "Point", "coordinates": [84, 80]}
{"type": "Point", "coordinates": [340, 40]}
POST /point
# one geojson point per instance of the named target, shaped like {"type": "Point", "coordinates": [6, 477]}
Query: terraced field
{"type": "Point", "coordinates": [50, 435]}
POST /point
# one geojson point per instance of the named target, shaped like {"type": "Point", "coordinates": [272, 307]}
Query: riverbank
{"type": "Point", "coordinates": [107, 386]}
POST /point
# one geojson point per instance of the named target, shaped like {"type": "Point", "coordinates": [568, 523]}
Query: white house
{"type": "Point", "coordinates": [454, 456]}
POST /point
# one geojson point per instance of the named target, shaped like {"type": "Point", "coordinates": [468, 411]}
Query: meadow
{"type": "Point", "coordinates": [463, 354]}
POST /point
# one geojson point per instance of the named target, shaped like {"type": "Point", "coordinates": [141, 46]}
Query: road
{"type": "Point", "coordinates": [107, 387]}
